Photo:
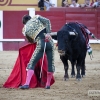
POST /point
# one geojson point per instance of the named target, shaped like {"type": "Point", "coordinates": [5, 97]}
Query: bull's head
{"type": "Point", "coordinates": [62, 38]}
{"type": "Point", "coordinates": [66, 37]}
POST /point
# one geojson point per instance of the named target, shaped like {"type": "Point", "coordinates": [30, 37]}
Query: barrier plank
{"type": "Point", "coordinates": [98, 23]}
{"type": "Point", "coordinates": [12, 28]}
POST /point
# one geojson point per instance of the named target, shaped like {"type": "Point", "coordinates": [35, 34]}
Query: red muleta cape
{"type": "Point", "coordinates": [18, 74]}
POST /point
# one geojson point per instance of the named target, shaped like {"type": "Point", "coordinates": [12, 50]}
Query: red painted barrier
{"type": "Point", "coordinates": [57, 18]}
{"type": "Point", "coordinates": [12, 22]}
{"type": "Point", "coordinates": [88, 16]}
{"type": "Point", "coordinates": [98, 23]}
{"type": "Point", "coordinates": [12, 28]}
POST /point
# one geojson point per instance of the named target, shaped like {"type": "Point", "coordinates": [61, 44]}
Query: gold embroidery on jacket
{"type": "Point", "coordinates": [34, 27]}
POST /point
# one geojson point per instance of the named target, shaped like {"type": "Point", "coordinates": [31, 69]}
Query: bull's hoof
{"type": "Point", "coordinates": [72, 76]}
{"type": "Point", "coordinates": [83, 76]}
{"type": "Point", "coordinates": [66, 79]}
{"type": "Point", "coordinates": [78, 79]}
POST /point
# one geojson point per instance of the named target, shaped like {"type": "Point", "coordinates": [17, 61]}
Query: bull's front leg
{"type": "Point", "coordinates": [78, 76]}
{"type": "Point", "coordinates": [73, 70]}
{"type": "Point", "coordinates": [65, 63]}
{"type": "Point", "coordinates": [66, 76]}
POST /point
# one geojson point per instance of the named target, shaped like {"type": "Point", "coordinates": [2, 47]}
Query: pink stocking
{"type": "Point", "coordinates": [49, 76]}
{"type": "Point", "coordinates": [29, 76]}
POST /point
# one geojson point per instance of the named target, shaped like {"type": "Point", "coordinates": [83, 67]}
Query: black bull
{"type": "Point", "coordinates": [72, 47]}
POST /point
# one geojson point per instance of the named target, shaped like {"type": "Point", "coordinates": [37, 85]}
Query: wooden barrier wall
{"type": "Point", "coordinates": [88, 16]}
{"type": "Point", "coordinates": [98, 23]}
{"type": "Point", "coordinates": [12, 29]}
{"type": "Point", "coordinates": [12, 22]}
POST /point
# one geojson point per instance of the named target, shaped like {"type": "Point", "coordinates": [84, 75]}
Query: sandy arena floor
{"type": "Point", "coordinates": [60, 90]}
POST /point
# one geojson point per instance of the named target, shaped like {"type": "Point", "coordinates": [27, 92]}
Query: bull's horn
{"type": "Point", "coordinates": [53, 33]}
{"type": "Point", "coordinates": [72, 33]}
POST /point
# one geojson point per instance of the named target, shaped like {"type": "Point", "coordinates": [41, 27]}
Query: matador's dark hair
{"type": "Point", "coordinates": [25, 19]}
{"type": "Point", "coordinates": [76, 1]}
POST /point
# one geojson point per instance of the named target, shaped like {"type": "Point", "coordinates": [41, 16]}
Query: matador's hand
{"type": "Point", "coordinates": [48, 37]}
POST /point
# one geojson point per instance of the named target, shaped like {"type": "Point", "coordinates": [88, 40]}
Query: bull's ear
{"type": "Point", "coordinates": [72, 33]}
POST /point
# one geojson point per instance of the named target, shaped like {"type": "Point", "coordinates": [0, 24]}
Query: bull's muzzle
{"type": "Point", "coordinates": [61, 52]}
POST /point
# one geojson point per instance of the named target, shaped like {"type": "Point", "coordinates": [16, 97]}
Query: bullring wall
{"type": "Point", "coordinates": [12, 22]}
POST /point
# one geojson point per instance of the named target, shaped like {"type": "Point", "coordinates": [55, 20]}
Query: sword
{"type": "Point", "coordinates": [42, 60]}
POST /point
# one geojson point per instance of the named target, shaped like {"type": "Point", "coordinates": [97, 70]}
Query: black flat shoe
{"type": "Point", "coordinates": [24, 87]}
{"type": "Point", "coordinates": [47, 87]}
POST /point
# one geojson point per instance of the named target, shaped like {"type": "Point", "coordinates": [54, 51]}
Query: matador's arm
{"type": "Point", "coordinates": [46, 22]}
